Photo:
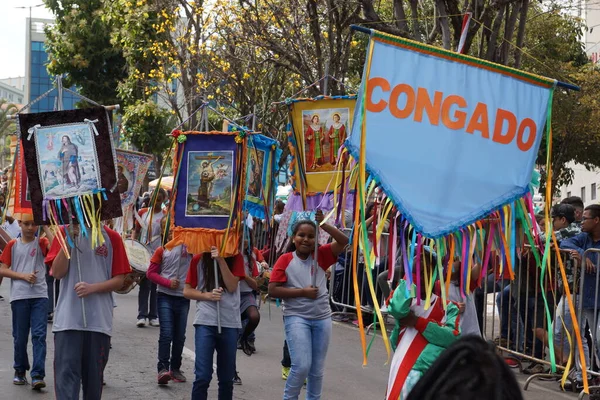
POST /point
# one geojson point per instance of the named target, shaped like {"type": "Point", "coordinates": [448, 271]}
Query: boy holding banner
{"type": "Point", "coordinates": [87, 278]}
{"type": "Point", "coordinates": [23, 262]}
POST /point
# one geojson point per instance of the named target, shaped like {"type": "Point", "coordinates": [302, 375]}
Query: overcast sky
{"type": "Point", "coordinates": [12, 34]}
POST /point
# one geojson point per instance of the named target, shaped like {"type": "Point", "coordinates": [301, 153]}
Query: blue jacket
{"type": "Point", "coordinates": [581, 243]}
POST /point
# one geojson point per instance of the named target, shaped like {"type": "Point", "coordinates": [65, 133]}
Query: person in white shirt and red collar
{"type": "Point", "coordinates": [83, 318]}
{"type": "Point", "coordinates": [200, 286]}
{"type": "Point", "coordinates": [168, 269]}
{"type": "Point", "coordinates": [22, 261]}
{"type": "Point", "coordinates": [306, 311]}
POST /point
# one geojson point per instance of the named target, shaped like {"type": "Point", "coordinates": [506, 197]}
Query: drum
{"type": "Point", "coordinates": [263, 281]}
{"type": "Point", "coordinates": [139, 259]}
{"type": "Point", "coordinates": [138, 255]}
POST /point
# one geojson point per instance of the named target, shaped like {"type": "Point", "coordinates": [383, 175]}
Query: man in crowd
{"type": "Point", "coordinates": [577, 203]}
{"type": "Point", "coordinates": [588, 239]}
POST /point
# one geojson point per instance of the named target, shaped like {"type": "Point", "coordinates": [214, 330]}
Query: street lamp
{"type": "Point", "coordinates": [30, 7]}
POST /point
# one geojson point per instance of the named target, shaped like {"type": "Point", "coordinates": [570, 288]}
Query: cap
{"type": "Point", "coordinates": [564, 210]}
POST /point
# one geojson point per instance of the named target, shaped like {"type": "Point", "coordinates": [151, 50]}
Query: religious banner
{"type": "Point", "coordinates": [319, 128]}
{"type": "Point", "coordinates": [22, 198]}
{"type": "Point", "coordinates": [71, 167]}
{"type": "Point", "coordinates": [131, 171]}
{"type": "Point", "coordinates": [447, 152]}
{"type": "Point", "coordinates": [263, 159]}
{"type": "Point", "coordinates": [209, 170]}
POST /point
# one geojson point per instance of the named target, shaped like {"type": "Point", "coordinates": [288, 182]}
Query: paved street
{"type": "Point", "coordinates": [131, 371]}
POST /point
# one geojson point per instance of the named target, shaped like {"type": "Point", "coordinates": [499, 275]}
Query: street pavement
{"type": "Point", "coordinates": [131, 370]}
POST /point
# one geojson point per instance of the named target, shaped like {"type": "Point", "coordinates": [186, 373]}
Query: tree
{"type": "Point", "coordinates": [308, 38]}
{"type": "Point", "coordinates": [79, 47]}
{"type": "Point", "coordinates": [146, 126]}
{"type": "Point", "coordinates": [7, 127]}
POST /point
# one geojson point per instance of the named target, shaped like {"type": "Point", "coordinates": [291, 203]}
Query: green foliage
{"type": "Point", "coordinates": [7, 126]}
{"type": "Point", "coordinates": [79, 47]}
{"type": "Point", "coordinates": [146, 126]}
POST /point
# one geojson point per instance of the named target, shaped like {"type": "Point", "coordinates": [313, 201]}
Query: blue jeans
{"type": "Point", "coordinates": [308, 340]}
{"type": "Point", "coordinates": [30, 314]}
{"type": "Point", "coordinates": [207, 340]}
{"type": "Point", "coordinates": [172, 313]}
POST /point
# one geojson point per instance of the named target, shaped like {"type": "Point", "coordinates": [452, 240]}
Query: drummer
{"type": "Point", "coordinates": [148, 231]}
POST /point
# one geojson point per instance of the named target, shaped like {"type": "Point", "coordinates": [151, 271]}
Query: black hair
{"type": "Point", "coordinates": [564, 210]}
{"type": "Point", "coordinates": [162, 191]}
{"type": "Point", "coordinates": [594, 210]}
{"type": "Point", "coordinates": [574, 201]}
{"type": "Point", "coordinates": [369, 209]}
{"type": "Point", "coordinates": [469, 369]}
{"type": "Point", "coordinates": [209, 272]}
{"type": "Point", "coordinates": [291, 246]}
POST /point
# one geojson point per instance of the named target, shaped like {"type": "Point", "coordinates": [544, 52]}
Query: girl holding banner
{"type": "Point", "coordinates": [217, 320]}
{"type": "Point", "coordinates": [306, 311]}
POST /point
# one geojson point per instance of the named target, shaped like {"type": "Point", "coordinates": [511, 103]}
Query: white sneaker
{"type": "Point", "coordinates": [141, 322]}
{"type": "Point", "coordinates": [384, 309]}
{"type": "Point", "coordinates": [154, 322]}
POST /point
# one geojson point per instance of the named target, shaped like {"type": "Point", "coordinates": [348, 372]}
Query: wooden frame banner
{"type": "Point", "coordinates": [71, 166]}
{"type": "Point", "coordinates": [262, 166]}
{"type": "Point", "coordinates": [209, 170]}
{"type": "Point", "coordinates": [319, 129]}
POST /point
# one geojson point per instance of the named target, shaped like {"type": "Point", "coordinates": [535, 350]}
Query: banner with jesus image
{"type": "Point", "coordinates": [208, 190]}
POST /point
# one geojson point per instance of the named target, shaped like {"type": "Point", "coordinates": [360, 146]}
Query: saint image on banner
{"type": "Point", "coordinates": [122, 181]}
{"type": "Point", "coordinates": [324, 132]}
{"type": "Point", "coordinates": [255, 169]}
{"type": "Point", "coordinates": [209, 185]}
{"type": "Point", "coordinates": [72, 170]}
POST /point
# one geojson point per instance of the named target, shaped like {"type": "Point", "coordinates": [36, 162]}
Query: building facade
{"type": "Point", "coordinates": [11, 94]}
{"type": "Point", "coordinates": [37, 79]}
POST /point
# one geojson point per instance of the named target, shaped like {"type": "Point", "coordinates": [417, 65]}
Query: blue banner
{"type": "Point", "coordinates": [449, 137]}
{"type": "Point", "coordinates": [262, 164]}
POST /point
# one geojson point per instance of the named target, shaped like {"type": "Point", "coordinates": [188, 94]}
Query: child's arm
{"type": "Point", "coordinates": [6, 272]}
{"type": "Point", "coordinates": [194, 294]}
{"type": "Point", "coordinates": [251, 282]}
{"type": "Point", "coordinates": [153, 274]}
{"type": "Point", "coordinates": [84, 289]}
{"type": "Point", "coordinates": [339, 239]}
{"type": "Point", "coordinates": [436, 333]}
{"type": "Point", "coordinates": [277, 291]}
{"type": "Point", "coordinates": [60, 265]}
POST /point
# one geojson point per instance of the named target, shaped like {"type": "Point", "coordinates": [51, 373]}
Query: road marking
{"type": "Point", "coordinates": [189, 354]}
{"type": "Point", "coordinates": [192, 356]}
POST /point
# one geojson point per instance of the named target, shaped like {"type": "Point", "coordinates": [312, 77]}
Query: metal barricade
{"type": "Point", "coordinates": [514, 312]}
{"type": "Point", "coordinates": [588, 317]}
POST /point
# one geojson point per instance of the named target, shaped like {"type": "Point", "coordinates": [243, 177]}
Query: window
{"type": "Point", "coordinates": [583, 194]}
{"type": "Point", "coordinates": [568, 194]}
{"type": "Point", "coordinates": [593, 192]}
